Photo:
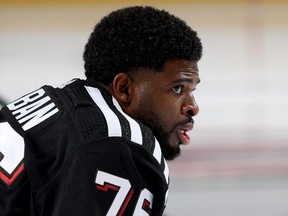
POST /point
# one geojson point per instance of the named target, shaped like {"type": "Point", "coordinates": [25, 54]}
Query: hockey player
{"type": "Point", "coordinates": [99, 146]}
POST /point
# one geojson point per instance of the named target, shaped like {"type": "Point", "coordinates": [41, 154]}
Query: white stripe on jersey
{"type": "Point", "coordinates": [166, 171]}
{"type": "Point", "coordinates": [157, 151]}
{"type": "Point", "coordinates": [11, 146]}
{"type": "Point", "coordinates": [158, 155]}
{"type": "Point", "coordinates": [136, 133]}
{"type": "Point", "coordinates": [113, 123]}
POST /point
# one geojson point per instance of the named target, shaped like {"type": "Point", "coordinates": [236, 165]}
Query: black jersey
{"type": "Point", "coordinates": [73, 151]}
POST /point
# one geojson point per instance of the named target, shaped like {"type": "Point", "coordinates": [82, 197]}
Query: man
{"type": "Point", "coordinates": [97, 146]}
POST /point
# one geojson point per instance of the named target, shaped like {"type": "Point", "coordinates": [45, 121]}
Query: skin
{"type": "Point", "coordinates": [163, 101]}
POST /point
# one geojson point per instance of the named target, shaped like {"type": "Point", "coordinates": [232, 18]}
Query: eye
{"type": "Point", "coordinates": [177, 89]}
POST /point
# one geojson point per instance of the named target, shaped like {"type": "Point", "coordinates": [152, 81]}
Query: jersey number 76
{"type": "Point", "coordinates": [105, 181]}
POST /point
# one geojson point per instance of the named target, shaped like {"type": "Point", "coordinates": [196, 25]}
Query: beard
{"type": "Point", "coordinates": [169, 152]}
{"type": "Point", "coordinates": [149, 118]}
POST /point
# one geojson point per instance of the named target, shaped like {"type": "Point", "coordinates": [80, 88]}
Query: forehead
{"type": "Point", "coordinates": [181, 68]}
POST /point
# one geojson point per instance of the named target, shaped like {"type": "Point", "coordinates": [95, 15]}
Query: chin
{"type": "Point", "coordinates": [169, 145]}
{"type": "Point", "coordinates": [171, 152]}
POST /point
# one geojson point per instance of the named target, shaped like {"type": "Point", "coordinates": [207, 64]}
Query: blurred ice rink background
{"type": "Point", "coordinates": [237, 162]}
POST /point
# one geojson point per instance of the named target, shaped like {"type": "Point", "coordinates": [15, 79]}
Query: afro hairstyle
{"type": "Point", "coordinates": [134, 37]}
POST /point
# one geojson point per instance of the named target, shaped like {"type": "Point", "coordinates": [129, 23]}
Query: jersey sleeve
{"type": "Point", "coordinates": [14, 185]}
{"type": "Point", "coordinates": [16, 119]}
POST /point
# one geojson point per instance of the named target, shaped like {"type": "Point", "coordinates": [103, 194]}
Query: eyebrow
{"type": "Point", "coordinates": [189, 80]}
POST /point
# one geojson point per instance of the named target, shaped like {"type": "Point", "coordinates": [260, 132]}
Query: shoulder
{"type": "Point", "coordinates": [32, 109]}
{"type": "Point", "coordinates": [39, 108]}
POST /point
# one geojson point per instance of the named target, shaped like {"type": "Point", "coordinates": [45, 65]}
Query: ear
{"type": "Point", "coordinates": [122, 88]}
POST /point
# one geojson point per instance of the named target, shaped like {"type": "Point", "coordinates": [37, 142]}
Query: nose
{"type": "Point", "coordinates": [190, 108]}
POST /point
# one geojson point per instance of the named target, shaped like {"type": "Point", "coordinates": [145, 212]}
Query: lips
{"type": "Point", "coordinates": [183, 133]}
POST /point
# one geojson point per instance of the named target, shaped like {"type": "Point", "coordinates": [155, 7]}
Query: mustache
{"type": "Point", "coordinates": [189, 120]}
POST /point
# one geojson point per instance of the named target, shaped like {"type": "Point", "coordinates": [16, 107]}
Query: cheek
{"type": "Point", "coordinates": [140, 103]}
{"type": "Point", "coordinates": [169, 105]}
{"type": "Point", "coordinates": [170, 114]}
{"type": "Point", "coordinates": [167, 110]}
{"type": "Point", "coordinates": [141, 93]}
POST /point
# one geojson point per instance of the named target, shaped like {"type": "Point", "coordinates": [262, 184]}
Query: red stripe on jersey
{"type": "Point", "coordinates": [10, 180]}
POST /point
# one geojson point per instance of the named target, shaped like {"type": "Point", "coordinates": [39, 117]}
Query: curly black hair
{"type": "Point", "coordinates": [134, 37]}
